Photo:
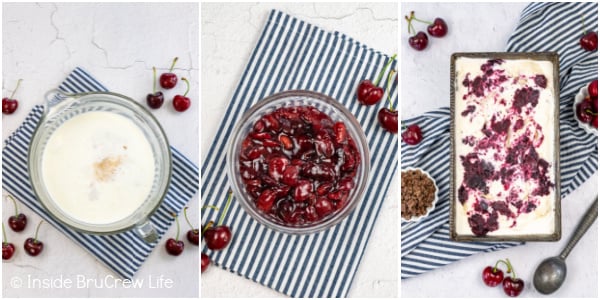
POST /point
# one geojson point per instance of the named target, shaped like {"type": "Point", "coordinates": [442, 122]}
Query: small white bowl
{"type": "Point", "coordinates": [583, 92]}
{"type": "Point", "coordinates": [435, 200]}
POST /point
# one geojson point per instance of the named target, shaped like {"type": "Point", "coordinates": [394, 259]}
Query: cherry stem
{"type": "Point", "coordinates": [210, 206]}
{"type": "Point", "coordinates": [226, 208]}
{"type": "Point", "coordinates": [4, 235]}
{"type": "Point", "coordinates": [186, 218]}
{"type": "Point", "coordinates": [511, 269]}
{"type": "Point", "coordinates": [582, 26]}
{"type": "Point", "coordinates": [188, 86]}
{"type": "Point", "coordinates": [387, 89]}
{"type": "Point", "coordinates": [590, 112]}
{"type": "Point", "coordinates": [37, 229]}
{"type": "Point", "coordinates": [16, 88]}
{"type": "Point", "coordinates": [153, 80]}
{"type": "Point", "coordinates": [9, 196]}
{"type": "Point", "coordinates": [380, 76]}
{"type": "Point", "coordinates": [209, 225]}
{"type": "Point", "coordinates": [422, 21]}
{"type": "Point", "coordinates": [178, 228]}
{"type": "Point", "coordinates": [173, 64]}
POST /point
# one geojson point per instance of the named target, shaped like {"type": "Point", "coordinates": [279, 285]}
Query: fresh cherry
{"type": "Point", "coordinates": [174, 246]}
{"type": "Point", "coordinates": [595, 122]}
{"type": "Point", "coordinates": [438, 28]}
{"type": "Point", "coordinates": [8, 249]}
{"type": "Point", "coordinates": [155, 99]}
{"type": "Point", "coordinates": [33, 246]}
{"type": "Point", "coordinates": [18, 222]}
{"type": "Point", "coordinates": [369, 93]}
{"type": "Point", "coordinates": [419, 41]}
{"type": "Point", "coordinates": [513, 286]}
{"type": "Point", "coordinates": [593, 89]}
{"type": "Point", "coordinates": [584, 111]}
{"type": "Point", "coordinates": [205, 262]}
{"type": "Point", "coordinates": [193, 235]}
{"type": "Point", "coordinates": [182, 103]}
{"type": "Point", "coordinates": [10, 105]}
{"type": "Point", "coordinates": [217, 238]}
{"type": "Point", "coordinates": [492, 276]}
{"type": "Point", "coordinates": [412, 135]}
{"type": "Point", "coordinates": [589, 41]}
{"type": "Point", "coordinates": [169, 80]}
{"type": "Point", "coordinates": [388, 116]}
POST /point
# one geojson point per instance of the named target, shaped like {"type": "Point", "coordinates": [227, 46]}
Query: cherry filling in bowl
{"type": "Point", "coordinates": [298, 165]}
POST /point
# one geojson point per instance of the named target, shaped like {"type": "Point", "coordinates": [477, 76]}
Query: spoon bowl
{"type": "Point", "coordinates": [550, 275]}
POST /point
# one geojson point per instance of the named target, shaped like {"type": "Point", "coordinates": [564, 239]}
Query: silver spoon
{"type": "Point", "coordinates": [551, 273]}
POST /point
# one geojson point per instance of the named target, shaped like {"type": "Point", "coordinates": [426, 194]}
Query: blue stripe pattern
{"type": "Point", "coordinates": [293, 54]}
{"type": "Point", "coordinates": [542, 27]}
{"type": "Point", "coordinates": [124, 253]}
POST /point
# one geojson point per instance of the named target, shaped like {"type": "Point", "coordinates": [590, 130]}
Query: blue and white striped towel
{"type": "Point", "coordinates": [542, 27]}
{"type": "Point", "coordinates": [124, 253]}
{"type": "Point", "coordinates": [293, 54]}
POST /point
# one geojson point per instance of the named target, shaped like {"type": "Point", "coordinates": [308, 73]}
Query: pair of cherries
{"type": "Point", "coordinates": [217, 237]}
{"type": "Point", "coordinates": [370, 93]}
{"type": "Point", "coordinates": [168, 81]}
{"type": "Point", "coordinates": [419, 40]}
{"type": "Point", "coordinates": [493, 276]}
{"type": "Point", "coordinates": [175, 246]}
{"type": "Point", "coordinates": [10, 104]}
{"type": "Point", "coordinates": [17, 223]}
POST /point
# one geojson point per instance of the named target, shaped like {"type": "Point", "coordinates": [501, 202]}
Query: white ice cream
{"type": "Point", "coordinates": [98, 167]}
{"type": "Point", "coordinates": [541, 220]}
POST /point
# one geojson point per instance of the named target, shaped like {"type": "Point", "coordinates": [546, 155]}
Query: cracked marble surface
{"type": "Point", "coordinates": [229, 33]}
{"type": "Point", "coordinates": [425, 86]}
{"type": "Point", "coordinates": [118, 44]}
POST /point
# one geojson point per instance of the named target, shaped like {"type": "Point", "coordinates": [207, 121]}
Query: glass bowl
{"type": "Point", "coordinates": [61, 107]}
{"type": "Point", "coordinates": [325, 104]}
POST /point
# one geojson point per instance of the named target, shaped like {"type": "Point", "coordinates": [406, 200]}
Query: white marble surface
{"type": "Point", "coordinates": [229, 33]}
{"type": "Point", "coordinates": [425, 81]}
{"type": "Point", "coordinates": [118, 44]}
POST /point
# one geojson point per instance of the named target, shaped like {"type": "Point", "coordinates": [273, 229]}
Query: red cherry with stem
{"type": "Point", "coordinates": [205, 262]}
{"type": "Point", "coordinates": [182, 103]}
{"type": "Point", "coordinates": [583, 110]}
{"type": "Point", "coordinates": [369, 93]}
{"type": "Point", "coordinates": [155, 99]}
{"type": "Point", "coordinates": [33, 246]}
{"type": "Point", "coordinates": [412, 135]}
{"type": "Point", "coordinates": [512, 286]}
{"type": "Point", "coordinates": [593, 88]}
{"type": "Point", "coordinates": [193, 235]}
{"type": "Point", "coordinates": [438, 28]}
{"type": "Point", "coordinates": [169, 80]}
{"type": "Point", "coordinates": [8, 249]}
{"type": "Point", "coordinates": [492, 276]}
{"type": "Point", "coordinates": [175, 246]}
{"type": "Point", "coordinates": [217, 238]}
{"type": "Point", "coordinates": [10, 105]}
{"type": "Point", "coordinates": [18, 222]}
{"type": "Point", "coordinates": [589, 40]}
{"type": "Point", "coordinates": [388, 117]}
{"type": "Point", "coordinates": [419, 40]}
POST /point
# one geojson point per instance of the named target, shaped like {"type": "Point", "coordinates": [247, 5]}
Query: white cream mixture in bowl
{"type": "Point", "coordinates": [100, 163]}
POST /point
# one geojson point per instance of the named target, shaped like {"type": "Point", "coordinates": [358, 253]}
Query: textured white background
{"type": "Point", "coordinates": [229, 33]}
{"type": "Point", "coordinates": [118, 44]}
{"type": "Point", "coordinates": [425, 86]}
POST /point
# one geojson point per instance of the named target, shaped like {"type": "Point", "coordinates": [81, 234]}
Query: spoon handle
{"type": "Point", "coordinates": [585, 223]}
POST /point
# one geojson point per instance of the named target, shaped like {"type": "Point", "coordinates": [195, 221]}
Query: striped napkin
{"type": "Point", "coordinates": [293, 54]}
{"type": "Point", "coordinates": [124, 253]}
{"type": "Point", "coordinates": [542, 27]}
